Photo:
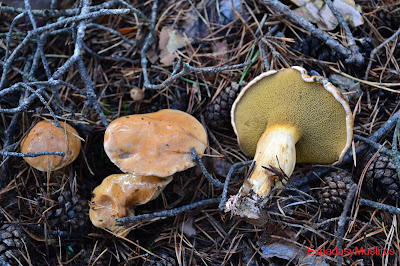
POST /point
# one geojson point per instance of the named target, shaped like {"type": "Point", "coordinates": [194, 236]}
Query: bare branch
{"type": "Point", "coordinates": [168, 213]}
{"type": "Point", "coordinates": [377, 205]}
{"type": "Point", "coordinates": [342, 221]}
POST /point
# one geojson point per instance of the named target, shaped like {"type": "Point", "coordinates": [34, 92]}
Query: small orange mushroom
{"type": "Point", "coordinates": [118, 195]}
{"type": "Point", "coordinates": [45, 137]}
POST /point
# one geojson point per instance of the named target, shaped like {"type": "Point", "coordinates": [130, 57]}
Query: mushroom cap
{"type": "Point", "coordinates": [118, 195]}
{"type": "Point", "coordinates": [289, 96]}
{"type": "Point", "coordinates": [44, 137]}
{"type": "Point", "coordinates": [137, 94]}
{"type": "Point", "coordinates": [156, 143]}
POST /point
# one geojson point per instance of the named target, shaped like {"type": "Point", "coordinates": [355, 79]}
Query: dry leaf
{"type": "Point", "coordinates": [350, 11]}
{"type": "Point", "coordinates": [291, 252]}
{"type": "Point", "coordinates": [170, 41]}
{"type": "Point", "coordinates": [220, 49]}
{"type": "Point", "coordinates": [316, 11]}
{"type": "Point", "coordinates": [227, 8]}
{"type": "Point", "coordinates": [348, 87]}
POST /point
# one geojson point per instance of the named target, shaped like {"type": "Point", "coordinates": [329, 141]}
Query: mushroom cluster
{"type": "Point", "coordinates": [283, 117]}
{"type": "Point", "coordinates": [149, 149]}
{"type": "Point", "coordinates": [45, 136]}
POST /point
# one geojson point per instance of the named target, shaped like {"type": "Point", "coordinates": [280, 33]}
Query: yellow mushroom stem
{"type": "Point", "coordinates": [275, 150]}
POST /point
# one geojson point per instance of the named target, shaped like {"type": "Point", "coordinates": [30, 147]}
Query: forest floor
{"type": "Point", "coordinates": [78, 62]}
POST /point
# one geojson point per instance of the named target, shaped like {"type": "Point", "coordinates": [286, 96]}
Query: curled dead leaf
{"type": "Point", "coordinates": [170, 40]}
{"type": "Point", "coordinates": [316, 11]}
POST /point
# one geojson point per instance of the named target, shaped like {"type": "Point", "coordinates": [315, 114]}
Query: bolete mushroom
{"type": "Point", "coordinates": [45, 137]}
{"type": "Point", "coordinates": [118, 195]}
{"type": "Point", "coordinates": [283, 117]}
{"type": "Point", "coordinates": [156, 143]}
{"type": "Point", "coordinates": [150, 148]}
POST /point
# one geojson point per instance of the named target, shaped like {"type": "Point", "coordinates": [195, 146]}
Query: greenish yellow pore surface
{"type": "Point", "coordinates": [285, 98]}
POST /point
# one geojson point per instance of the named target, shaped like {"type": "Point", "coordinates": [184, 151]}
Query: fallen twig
{"type": "Point", "coordinates": [185, 69]}
{"type": "Point", "coordinates": [116, 33]}
{"type": "Point", "coordinates": [52, 26]}
{"type": "Point", "coordinates": [381, 206]}
{"type": "Point", "coordinates": [149, 41]}
{"type": "Point", "coordinates": [40, 35]}
{"type": "Point", "coordinates": [395, 153]}
{"type": "Point", "coordinates": [31, 154]}
{"type": "Point", "coordinates": [78, 52]}
{"type": "Point", "coordinates": [374, 145]}
{"type": "Point", "coordinates": [136, 11]}
{"type": "Point", "coordinates": [342, 221]}
{"type": "Point", "coordinates": [55, 13]}
{"type": "Point", "coordinates": [10, 132]}
{"type": "Point", "coordinates": [197, 159]}
{"type": "Point", "coordinates": [233, 168]}
{"type": "Point", "coordinates": [377, 49]}
{"type": "Point", "coordinates": [168, 213]}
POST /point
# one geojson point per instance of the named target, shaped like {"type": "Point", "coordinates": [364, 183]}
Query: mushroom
{"type": "Point", "coordinates": [156, 143]}
{"type": "Point", "coordinates": [283, 117]}
{"type": "Point", "coordinates": [45, 137]}
{"type": "Point", "coordinates": [119, 194]}
{"type": "Point", "coordinates": [150, 148]}
{"type": "Point", "coordinates": [137, 94]}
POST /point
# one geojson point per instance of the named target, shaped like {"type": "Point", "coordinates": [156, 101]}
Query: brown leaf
{"type": "Point", "coordinates": [316, 11]}
{"type": "Point", "coordinates": [170, 40]}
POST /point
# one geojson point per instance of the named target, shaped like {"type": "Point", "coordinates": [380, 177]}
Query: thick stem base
{"type": "Point", "coordinates": [276, 151]}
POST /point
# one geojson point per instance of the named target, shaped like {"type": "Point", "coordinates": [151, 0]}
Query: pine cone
{"type": "Point", "coordinates": [389, 18]}
{"type": "Point", "coordinates": [217, 114]}
{"type": "Point", "coordinates": [311, 46]}
{"type": "Point", "coordinates": [12, 243]}
{"type": "Point", "coordinates": [381, 178]}
{"type": "Point", "coordinates": [67, 212]}
{"type": "Point", "coordinates": [334, 195]}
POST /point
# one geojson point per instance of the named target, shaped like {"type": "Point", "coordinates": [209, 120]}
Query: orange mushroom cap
{"type": "Point", "coordinates": [118, 195]}
{"type": "Point", "coordinates": [45, 137]}
{"type": "Point", "coordinates": [154, 144]}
